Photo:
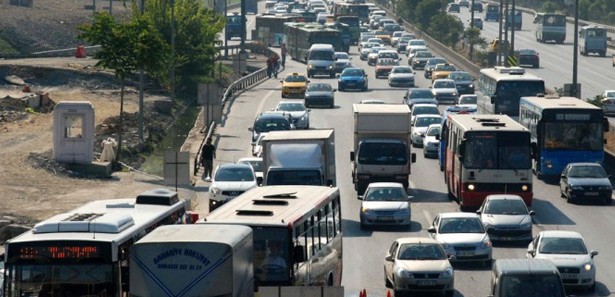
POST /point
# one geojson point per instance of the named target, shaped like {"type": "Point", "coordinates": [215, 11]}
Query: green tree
{"type": "Point", "coordinates": [549, 6]}
{"type": "Point", "coordinates": [406, 8]}
{"type": "Point", "coordinates": [427, 9]}
{"type": "Point", "coordinates": [196, 37]}
{"type": "Point", "coordinates": [124, 47]}
{"type": "Point", "coordinates": [472, 35]}
{"type": "Point", "coordinates": [446, 28]}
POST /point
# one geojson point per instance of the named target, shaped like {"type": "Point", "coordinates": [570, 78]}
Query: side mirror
{"type": "Point", "coordinates": [259, 180]}
{"type": "Point", "coordinates": [562, 176]}
{"type": "Point", "coordinates": [334, 90]}
{"type": "Point", "coordinates": [531, 252]}
{"type": "Point", "coordinates": [388, 258]}
{"type": "Point", "coordinates": [281, 80]}
{"type": "Point", "coordinates": [431, 229]}
{"type": "Point", "coordinates": [250, 129]}
{"type": "Point", "coordinates": [479, 211]}
{"type": "Point", "coordinates": [413, 158]}
{"type": "Point", "coordinates": [452, 257]}
{"type": "Point", "coordinates": [351, 156]}
{"type": "Point", "coordinates": [309, 110]}
{"type": "Point", "coordinates": [360, 197]}
{"type": "Point", "coordinates": [493, 98]}
{"type": "Point", "coordinates": [532, 212]}
{"type": "Point", "coordinates": [299, 254]}
{"type": "Point", "coordinates": [593, 253]}
{"type": "Point", "coordinates": [410, 198]}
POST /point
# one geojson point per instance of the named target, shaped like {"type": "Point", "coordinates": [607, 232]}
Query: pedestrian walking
{"type": "Point", "coordinates": [276, 66]}
{"type": "Point", "coordinates": [283, 51]}
{"type": "Point", "coordinates": [269, 66]}
{"type": "Point", "coordinates": [208, 153]}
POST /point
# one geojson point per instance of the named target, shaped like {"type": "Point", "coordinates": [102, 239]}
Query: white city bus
{"type": "Point", "coordinates": [302, 224]}
{"type": "Point", "coordinates": [84, 252]}
{"type": "Point", "coordinates": [487, 154]}
{"type": "Point", "coordinates": [501, 88]}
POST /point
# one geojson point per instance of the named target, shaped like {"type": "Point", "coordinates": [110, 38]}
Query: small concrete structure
{"type": "Point", "coordinates": [73, 132]}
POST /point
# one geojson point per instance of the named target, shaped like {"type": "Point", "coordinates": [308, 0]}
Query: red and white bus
{"type": "Point", "coordinates": [487, 154]}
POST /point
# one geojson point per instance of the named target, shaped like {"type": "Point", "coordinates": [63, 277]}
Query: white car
{"type": "Point", "coordinates": [444, 89]}
{"type": "Point", "coordinates": [372, 57]}
{"type": "Point", "coordinates": [418, 264]}
{"type": "Point", "coordinates": [431, 141]}
{"type": "Point", "coordinates": [229, 181]}
{"type": "Point", "coordinates": [468, 101]}
{"type": "Point", "coordinates": [257, 166]}
{"type": "Point", "coordinates": [395, 37]}
{"type": "Point", "coordinates": [420, 123]}
{"type": "Point", "coordinates": [342, 61]}
{"type": "Point", "coordinates": [385, 204]}
{"type": "Point", "coordinates": [608, 94]}
{"type": "Point", "coordinates": [462, 234]}
{"type": "Point", "coordinates": [299, 114]}
{"type": "Point", "coordinates": [415, 43]}
{"type": "Point", "coordinates": [257, 148]}
{"type": "Point", "coordinates": [567, 250]}
{"type": "Point", "coordinates": [506, 218]}
{"type": "Point", "coordinates": [401, 76]}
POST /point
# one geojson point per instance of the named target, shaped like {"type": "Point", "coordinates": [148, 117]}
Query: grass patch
{"type": "Point", "coordinates": [6, 49]}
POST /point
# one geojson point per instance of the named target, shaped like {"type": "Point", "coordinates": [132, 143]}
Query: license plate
{"type": "Point", "coordinates": [426, 282]}
{"type": "Point", "coordinates": [591, 194]}
{"type": "Point", "coordinates": [507, 238]}
{"type": "Point", "coordinates": [385, 218]}
{"type": "Point", "coordinates": [465, 253]}
{"type": "Point", "coordinates": [569, 275]}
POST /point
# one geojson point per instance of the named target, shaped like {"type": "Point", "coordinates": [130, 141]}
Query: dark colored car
{"type": "Point", "coordinates": [270, 121]}
{"type": "Point", "coordinates": [585, 182]}
{"type": "Point", "coordinates": [464, 82]}
{"type": "Point", "coordinates": [419, 59]}
{"type": "Point", "coordinates": [419, 95]}
{"type": "Point", "coordinates": [320, 94]}
{"type": "Point", "coordinates": [352, 78]}
{"type": "Point", "coordinates": [527, 57]}
{"type": "Point", "coordinates": [431, 64]}
{"type": "Point", "coordinates": [453, 7]}
{"type": "Point", "coordinates": [478, 7]}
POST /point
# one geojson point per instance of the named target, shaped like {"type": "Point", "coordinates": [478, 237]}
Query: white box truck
{"type": "Point", "coordinates": [381, 144]}
{"type": "Point", "coordinates": [299, 157]}
{"type": "Point", "coordinates": [193, 261]}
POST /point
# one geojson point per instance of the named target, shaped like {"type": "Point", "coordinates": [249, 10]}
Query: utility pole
{"type": "Point", "coordinates": [172, 50]}
{"type": "Point", "coordinates": [225, 32]}
{"type": "Point", "coordinates": [141, 87]}
{"type": "Point", "coordinates": [499, 49]}
{"type": "Point", "coordinates": [471, 49]}
{"type": "Point", "coordinates": [575, 61]}
{"type": "Point", "coordinates": [512, 29]}
{"type": "Point", "coordinates": [504, 50]}
{"type": "Point", "coordinates": [111, 7]}
{"type": "Point", "coordinates": [242, 45]}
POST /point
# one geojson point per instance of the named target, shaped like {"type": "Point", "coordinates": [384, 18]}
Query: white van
{"type": "Point", "coordinates": [321, 60]}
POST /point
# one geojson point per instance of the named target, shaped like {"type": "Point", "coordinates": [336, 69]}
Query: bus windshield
{"type": "Point", "coordinates": [382, 154]}
{"type": "Point", "coordinates": [271, 255]}
{"type": "Point", "coordinates": [62, 280]}
{"type": "Point", "coordinates": [510, 92]}
{"type": "Point", "coordinates": [493, 150]}
{"type": "Point", "coordinates": [349, 20]}
{"type": "Point", "coordinates": [573, 136]}
{"type": "Point", "coordinates": [554, 20]}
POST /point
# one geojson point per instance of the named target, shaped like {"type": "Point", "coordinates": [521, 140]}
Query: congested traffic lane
{"type": "Point", "coordinates": [365, 250]}
{"type": "Point", "coordinates": [595, 74]}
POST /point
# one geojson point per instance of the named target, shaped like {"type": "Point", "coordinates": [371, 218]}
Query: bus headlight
{"type": "Point", "coordinates": [524, 188]}
{"type": "Point", "coordinates": [471, 187]}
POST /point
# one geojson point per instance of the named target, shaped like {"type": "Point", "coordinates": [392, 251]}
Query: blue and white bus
{"type": "Point", "coordinates": [564, 130]}
{"type": "Point", "coordinates": [592, 40]}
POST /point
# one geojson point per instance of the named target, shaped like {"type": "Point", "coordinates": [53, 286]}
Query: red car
{"type": "Point", "coordinates": [384, 66]}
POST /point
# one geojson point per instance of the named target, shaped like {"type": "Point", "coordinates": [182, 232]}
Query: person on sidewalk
{"type": "Point", "coordinates": [208, 153]}
{"type": "Point", "coordinates": [269, 66]}
{"type": "Point", "coordinates": [283, 51]}
{"type": "Point", "coordinates": [276, 65]}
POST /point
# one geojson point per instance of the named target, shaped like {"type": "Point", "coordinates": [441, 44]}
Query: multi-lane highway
{"type": "Point", "coordinates": [364, 250]}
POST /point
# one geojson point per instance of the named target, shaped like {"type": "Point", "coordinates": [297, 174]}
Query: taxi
{"type": "Point", "coordinates": [384, 35]}
{"type": "Point", "coordinates": [294, 84]}
{"type": "Point", "coordinates": [442, 71]}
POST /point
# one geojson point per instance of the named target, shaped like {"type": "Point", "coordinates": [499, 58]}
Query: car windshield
{"type": "Point", "coordinates": [321, 55]}
{"type": "Point", "coordinates": [527, 52]}
{"type": "Point", "coordinates": [375, 40]}
{"type": "Point", "coordinates": [266, 125]}
{"type": "Point", "coordinates": [423, 54]}
{"type": "Point", "coordinates": [445, 68]}
{"type": "Point", "coordinates": [426, 121]}
{"type": "Point", "coordinates": [420, 94]}
{"type": "Point", "coordinates": [416, 42]}
{"type": "Point", "coordinates": [319, 88]}
{"type": "Point", "coordinates": [352, 72]}
{"type": "Point", "coordinates": [587, 172]}
{"type": "Point", "coordinates": [291, 107]}
{"type": "Point", "coordinates": [420, 251]}
{"type": "Point", "coordinates": [402, 70]}
{"type": "Point", "coordinates": [369, 45]}
{"type": "Point", "coordinates": [433, 62]}
{"type": "Point", "coordinates": [433, 131]}
{"type": "Point", "coordinates": [461, 225]}
{"type": "Point", "coordinates": [376, 49]}
{"type": "Point", "coordinates": [256, 165]}
{"type": "Point", "coordinates": [568, 246]}
{"type": "Point", "coordinates": [460, 76]}
{"type": "Point", "coordinates": [341, 56]}
{"type": "Point", "coordinates": [295, 78]}
{"type": "Point", "coordinates": [385, 194]}
{"type": "Point", "coordinates": [468, 99]}
{"type": "Point", "coordinates": [234, 174]}
{"type": "Point", "coordinates": [444, 84]}
{"type": "Point", "coordinates": [505, 207]}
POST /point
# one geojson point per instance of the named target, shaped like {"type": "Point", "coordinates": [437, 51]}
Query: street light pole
{"type": "Point", "coordinates": [141, 87]}
{"type": "Point", "coordinates": [499, 45]}
{"type": "Point", "coordinates": [172, 50]}
{"type": "Point", "coordinates": [225, 31]}
{"type": "Point", "coordinates": [471, 49]}
{"type": "Point", "coordinates": [512, 29]}
{"type": "Point", "coordinates": [573, 88]}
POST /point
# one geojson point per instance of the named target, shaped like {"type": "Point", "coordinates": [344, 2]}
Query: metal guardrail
{"type": "Point", "coordinates": [237, 86]}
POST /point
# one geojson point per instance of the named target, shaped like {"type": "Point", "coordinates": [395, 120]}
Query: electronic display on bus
{"type": "Point", "coordinates": [69, 251]}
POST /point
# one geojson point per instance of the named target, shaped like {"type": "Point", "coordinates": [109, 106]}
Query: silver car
{"type": "Point", "coordinates": [462, 235]}
{"type": "Point", "coordinates": [418, 264]}
{"type": "Point", "coordinates": [299, 114]}
{"type": "Point", "coordinates": [506, 218]}
{"type": "Point", "coordinates": [385, 204]}
{"type": "Point", "coordinates": [420, 123]}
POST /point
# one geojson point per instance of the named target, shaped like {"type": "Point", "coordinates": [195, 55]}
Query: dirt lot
{"type": "Point", "coordinates": [32, 187]}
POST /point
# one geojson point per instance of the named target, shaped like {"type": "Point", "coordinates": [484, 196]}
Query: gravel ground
{"type": "Point", "coordinates": [48, 24]}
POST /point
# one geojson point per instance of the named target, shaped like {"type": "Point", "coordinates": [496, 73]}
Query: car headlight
{"type": "Point", "coordinates": [588, 266]}
{"type": "Point", "coordinates": [486, 244]}
{"type": "Point", "coordinates": [215, 190]}
{"type": "Point", "coordinates": [527, 225]}
{"type": "Point", "coordinates": [310, 66]}
{"type": "Point", "coordinates": [365, 210]}
{"type": "Point", "coordinates": [576, 188]}
{"type": "Point", "coordinates": [454, 93]}
{"type": "Point", "coordinates": [447, 273]}
{"type": "Point", "coordinates": [304, 117]}
{"type": "Point", "coordinates": [330, 66]}
{"type": "Point", "coordinates": [404, 273]}
{"type": "Point", "coordinates": [471, 86]}
{"type": "Point", "coordinates": [604, 188]}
